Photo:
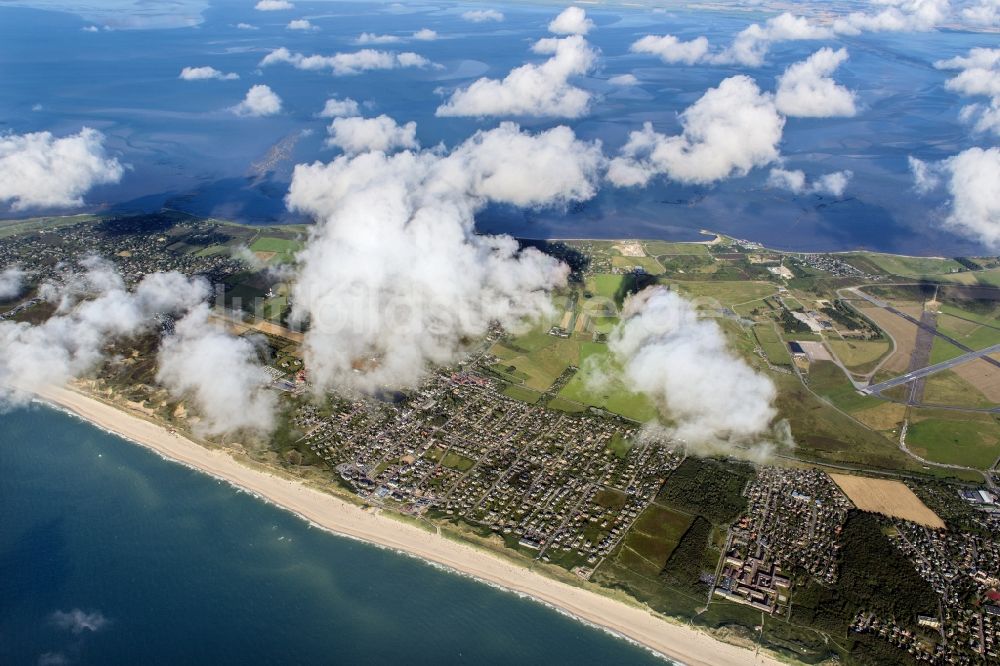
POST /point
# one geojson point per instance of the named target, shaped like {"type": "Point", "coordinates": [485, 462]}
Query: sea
{"type": "Point", "coordinates": [114, 65]}
{"type": "Point", "coordinates": [110, 554]}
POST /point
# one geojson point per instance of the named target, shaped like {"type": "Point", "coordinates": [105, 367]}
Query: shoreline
{"type": "Point", "coordinates": [672, 640]}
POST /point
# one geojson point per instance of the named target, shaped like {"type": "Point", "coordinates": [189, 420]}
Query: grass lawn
{"type": "Point", "coordinates": [913, 267]}
{"type": "Point", "coordinates": [947, 388]}
{"type": "Point", "coordinates": [648, 264]}
{"type": "Point", "coordinates": [860, 355]}
{"type": "Point", "coordinates": [284, 248]}
{"type": "Point", "coordinates": [657, 248]}
{"type": "Point", "coordinates": [457, 461]}
{"type": "Point", "coordinates": [773, 346]}
{"type": "Point", "coordinates": [522, 394]}
{"type": "Point", "coordinates": [971, 440]}
{"type": "Point", "coordinates": [727, 293]}
{"type": "Point", "coordinates": [611, 395]}
{"type": "Point", "coordinates": [535, 359]}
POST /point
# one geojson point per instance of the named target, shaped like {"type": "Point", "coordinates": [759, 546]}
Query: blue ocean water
{"type": "Point", "coordinates": [111, 555]}
{"type": "Point", "coordinates": [188, 152]}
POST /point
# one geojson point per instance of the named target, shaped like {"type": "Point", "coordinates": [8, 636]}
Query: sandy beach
{"type": "Point", "coordinates": [681, 643]}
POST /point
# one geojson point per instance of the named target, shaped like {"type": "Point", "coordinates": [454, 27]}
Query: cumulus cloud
{"type": "Point", "coordinates": [78, 621]}
{"type": "Point", "coordinates": [11, 282]}
{"type": "Point", "coordinates": [730, 130]}
{"type": "Point", "coordinates": [806, 90]}
{"type": "Point", "coordinates": [338, 108]}
{"type": "Point", "coordinates": [395, 278]}
{"type": "Point", "coordinates": [346, 63]}
{"type": "Point", "coordinates": [571, 21]}
{"type": "Point", "coordinates": [203, 73]}
{"type": "Point", "coordinates": [624, 80]}
{"type": "Point", "coordinates": [94, 308]}
{"type": "Point", "coordinates": [301, 24]}
{"type": "Point", "coordinates": [979, 76]}
{"type": "Point", "coordinates": [246, 26]}
{"type": "Point", "coordinates": [749, 48]}
{"type": "Point", "coordinates": [972, 180]}
{"type": "Point", "coordinates": [752, 44]}
{"type": "Point", "coordinates": [425, 35]}
{"type": "Point", "coordinates": [372, 38]}
{"type": "Point", "coordinates": [482, 15]}
{"type": "Point", "coordinates": [795, 181]}
{"type": "Point", "coordinates": [90, 28]}
{"type": "Point", "coordinates": [985, 13]}
{"type": "Point", "coordinates": [219, 373]}
{"type": "Point", "coordinates": [38, 170]}
{"type": "Point", "coordinates": [531, 90]}
{"type": "Point", "coordinates": [672, 50]}
{"type": "Point", "coordinates": [273, 5]}
{"type": "Point", "coordinates": [898, 16]}
{"type": "Point", "coordinates": [712, 398]}
{"type": "Point", "coordinates": [358, 135]}
{"type": "Point", "coordinates": [260, 101]}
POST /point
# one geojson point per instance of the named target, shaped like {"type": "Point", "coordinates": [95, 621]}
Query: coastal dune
{"type": "Point", "coordinates": [675, 641]}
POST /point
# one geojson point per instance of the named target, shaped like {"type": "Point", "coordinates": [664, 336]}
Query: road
{"type": "Point", "coordinates": [930, 370]}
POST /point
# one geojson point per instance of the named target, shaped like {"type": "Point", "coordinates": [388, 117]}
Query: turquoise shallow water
{"type": "Point", "coordinates": [111, 555]}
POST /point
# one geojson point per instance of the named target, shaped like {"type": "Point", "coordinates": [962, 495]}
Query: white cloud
{"type": "Point", "coordinates": [795, 181]}
{"type": "Point", "coordinates": [358, 135]}
{"type": "Point", "coordinates": [986, 13]}
{"type": "Point", "coordinates": [898, 16]}
{"type": "Point", "coordinates": [260, 101]}
{"type": "Point", "coordinates": [273, 5]}
{"type": "Point", "coordinates": [682, 362]}
{"type": "Point", "coordinates": [749, 48]}
{"type": "Point", "coordinates": [301, 24]}
{"type": "Point", "coordinates": [531, 90]}
{"type": "Point", "coordinates": [78, 621]}
{"type": "Point", "coordinates": [671, 50]}
{"type": "Point", "coordinates": [571, 21]}
{"type": "Point", "coordinates": [90, 28]}
{"type": "Point", "coordinates": [482, 15]}
{"type": "Point", "coordinates": [346, 63]}
{"type": "Point", "coordinates": [203, 73]}
{"type": "Point", "coordinates": [11, 282]}
{"type": "Point", "coordinates": [979, 76]}
{"type": "Point", "coordinates": [38, 170]}
{"type": "Point", "coordinates": [94, 309]}
{"type": "Point", "coordinates": [425, 35]}
{"type": "Point", "coordinates": [972, 179]}
{"type": "Point", "coordinates": [372, 38]}
{"type": "Point", "coordinates": [339, 108]}
{"type": "Point", "coordinates": [806, 90]}
{"type": "Point", "coordinates": [246, 26]}
{"type": "Point", "coordinates": [730, 130]}
{"type": "Point", "coordinates": [395, 278]}
{"type": "Point", "coordinates": [624, 80]}
{"type": "Point", "coordinates": [751, 45]}
{"type": "Point", "coordinates": [219, 373]}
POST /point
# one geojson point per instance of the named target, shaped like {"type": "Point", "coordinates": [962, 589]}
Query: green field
{"type": "Point", "coordinates": [659, 248]}
{"type": "Point", "coordinates": [14, 227]}
{"type": "Point", "coordinates": [522, 394]}
{"type": "Point", "coordinates": [947, 388]}
{"type": "Point", "coordinates": [457, 461]}
{"type": "Point", "coordinates": [594, 385]}
{"type": "Point", "coordinates": [773, 346]}
{"type": "Point", "coordinates": [970, 440]}
{"type": "Point", "coordinates": [860, 355]}
{"type": "Point", "coordinates": [284, 248]}
{"type": "Point", "coordinates": [648, 264]}
{"type": "Point", "coordinates": [535, 359]}
{"type": "Point", "coordinates": [913, 267]}
{"type": "Point", "coordinates": [727, 293]}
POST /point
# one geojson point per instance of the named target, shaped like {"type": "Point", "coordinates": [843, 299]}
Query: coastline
{"type": "Point", "coordinates": [677, 642]}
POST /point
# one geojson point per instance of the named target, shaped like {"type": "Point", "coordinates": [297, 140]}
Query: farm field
{"type": "Point", "coordinates": [659, 248]}
{"type": "Point", "coordinates": [773, 346]}
{"type": "Point", "coordinates": [949, 388]}
{"type": "Point", "coordinates": [913, 267]}
{"type": "Point", "coordinates": [535, 359]}
{"type": "Point", "coordinates": [902, 331]}
{"type": "Point", "coordinates": [967, 439]}
{"type": "Point", "coordinates": [887, 497]}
